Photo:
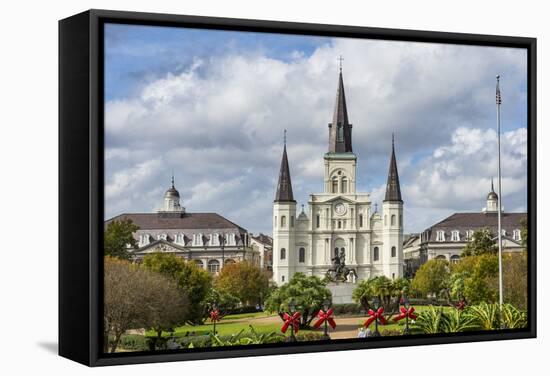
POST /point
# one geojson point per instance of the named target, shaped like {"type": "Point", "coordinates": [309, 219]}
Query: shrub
{"type": "Point", "coordinates": [347, 309]}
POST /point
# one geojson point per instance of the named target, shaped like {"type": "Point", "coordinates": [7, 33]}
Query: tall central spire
{"type": "Point", "coordinates": [393, 190]}
{"type": "Point", "coordinates": [284, 186]}
{"type": "Point", "coordinates": [340, 128]}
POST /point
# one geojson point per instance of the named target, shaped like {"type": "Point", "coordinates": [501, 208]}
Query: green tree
{"type": "Point", "coordinates": [244, 280]}
{"type": "Point", "coordinates": [137, 298]}
{"type": "Point", "coordinates": [431, 278]}
{"type": "Point", "coordinates": [387, 291]}
{"type": "Point", "coordinates": [224, 301]}
{"type": "Point", "coordinates": [193, 280]}
{"type": "Point", "coordinates": [482, 242]}
{"type": "Point", "coordinates": [514, 272]}
{"type": "Point", "coordinates": [480, 275]}
{"type": "Point", "coordinates": [117, 237]}
{"type": "Point", "coordinates": [524, 233]}
{"type": "Point", "coordinates": [308, 292]}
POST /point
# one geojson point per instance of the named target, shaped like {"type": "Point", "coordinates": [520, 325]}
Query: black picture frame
{"type": "Point", "coordinates": [81, 178]}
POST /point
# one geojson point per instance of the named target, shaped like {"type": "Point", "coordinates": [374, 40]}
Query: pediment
{"type": "Point", "coordinates": [162, 246]}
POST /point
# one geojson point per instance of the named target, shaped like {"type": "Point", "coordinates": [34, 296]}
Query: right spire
{"type": "Point", "coordinates": [393, 190]}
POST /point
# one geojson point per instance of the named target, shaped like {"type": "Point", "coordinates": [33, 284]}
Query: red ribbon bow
{"type": "Point", "coordinates": [405, 313]}
{"type": "Point", "coordinates": [215, 315]}
{"type": "Point", "coordinates": [325, 316]}
{"type": "Point", "coordinates": [376, 315]}
{"type": "Point", "coordinates": [461, 305]}
{"type": "Point", "coordinates": [293, 320]}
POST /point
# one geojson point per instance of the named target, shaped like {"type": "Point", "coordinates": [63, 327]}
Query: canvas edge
{"type": "Point", "coordinates": [91, 310]}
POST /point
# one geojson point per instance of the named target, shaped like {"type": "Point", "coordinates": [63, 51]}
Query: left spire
{"type": "Point", "coordinates": [284, 186]}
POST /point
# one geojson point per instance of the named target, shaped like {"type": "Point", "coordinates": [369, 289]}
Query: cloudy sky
{"type": "Point", "coordinates": [211, 106]}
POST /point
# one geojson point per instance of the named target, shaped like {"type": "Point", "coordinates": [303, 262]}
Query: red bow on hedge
{"type": "Point", "coordinates": [376, 315]}
{"type": "Point", "coordinates": [215, 315]}
{"type": "Point", "coordinates": [405, 313]}
{"type": "Point", "coordinates": [325, 316]}
{"type": "Point", "coordinates": [293, 320]}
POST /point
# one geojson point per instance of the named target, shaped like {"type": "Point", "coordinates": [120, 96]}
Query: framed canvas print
{"type": "Point", "coordinates": [236, 187]}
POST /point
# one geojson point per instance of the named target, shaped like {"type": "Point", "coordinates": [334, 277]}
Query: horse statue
{"type": "Point", "coordinates": [339, 272]}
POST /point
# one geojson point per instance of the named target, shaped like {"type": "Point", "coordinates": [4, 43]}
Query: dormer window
{"type": "Point", "coordinates": [180, 238]}
{"type": "Point", "coordinates": [214, 240]}
{"type": "Point", "coordinates": [197, 240]}
{"type": "Point", "coordinates": [503, 232]}
{"type": "Point", "coordinates": [469, 234]}
{"type": "Point", "coordinates": [440, 236]}
{"type": "Point", "coordinates": [455, 236]}
{"type": "Point", "coordinates": [516, 235]}
{"type": "Point", "coordinates": [144, 239]}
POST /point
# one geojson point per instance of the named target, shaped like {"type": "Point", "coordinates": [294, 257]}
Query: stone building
{"type": "Point", "coordinates": [208, 239]}
{"type": "Point", "coordinates": [338, 220]}
{"type": "Point", "coordinates": [447, 238]}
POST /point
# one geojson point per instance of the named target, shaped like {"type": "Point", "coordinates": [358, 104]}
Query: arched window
{"type": "Point", "coordinates": [393, 252]}
{"type": "Point", "coordinates": [455, 259]}
{"type": "Point", "coordinates": [334, 185]}
{"type": "Point", "coordinates": [229, 261]}
{"type": "Point", "coordinates": [441, 257]}
{"type": "Point", "coordinates": [344, 185]}
{"type": "Point", "coordinates": [213, 266]}
{"type": "Point", "coordinates": [318, 221]}
{"type": "Point", "coordinates": [302, 255]}
{"type": "Point", "coordinates": [360, 220]}
{"type": "Point", "coordinates": [393, 220]}
{"type": "Point", "coordinates": [199, 263]}
{"type": "Point", "coordinates": [283, 254]}
{"type": "Point", "coordinates": [376, 254]}
{"type": "Point", "coordinates": [283, 220]}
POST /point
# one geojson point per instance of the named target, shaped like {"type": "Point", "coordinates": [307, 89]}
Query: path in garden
{"type": "Point", "coordinates": [346, 327]}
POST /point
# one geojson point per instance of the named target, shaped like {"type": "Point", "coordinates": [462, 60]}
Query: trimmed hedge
{"type": "Point", "coordinates": [348, 309]}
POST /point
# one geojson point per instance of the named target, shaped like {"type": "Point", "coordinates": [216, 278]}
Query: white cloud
{"type": "Point", "coordinates": [458, 175]}
{"type": "Point", "coordinates": [219, 123]}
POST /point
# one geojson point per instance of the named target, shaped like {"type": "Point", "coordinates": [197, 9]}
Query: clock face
{"type": "Point", "coordinates": [340, 209]}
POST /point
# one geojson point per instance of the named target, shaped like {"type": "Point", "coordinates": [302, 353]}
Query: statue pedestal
{"type": "Point", "coordinates": [341, 292]}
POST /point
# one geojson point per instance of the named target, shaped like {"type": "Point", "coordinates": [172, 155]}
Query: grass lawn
{"type": "Point", "coordinates": [233, 324]}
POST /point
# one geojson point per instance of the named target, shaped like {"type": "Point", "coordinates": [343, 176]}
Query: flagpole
{"type": "Point", "coordinates": [500, 284]}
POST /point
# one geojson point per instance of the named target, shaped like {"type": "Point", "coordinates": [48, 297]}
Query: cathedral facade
{"type": "Point", "coordinates": [340, 223]}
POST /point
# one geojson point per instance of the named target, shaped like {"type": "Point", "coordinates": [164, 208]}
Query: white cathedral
{"type": "Point", "coordinates": [339, 220]}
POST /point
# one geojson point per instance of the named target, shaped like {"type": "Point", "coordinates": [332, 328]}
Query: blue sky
{"type": "Point", "coordinates": [212, 106]}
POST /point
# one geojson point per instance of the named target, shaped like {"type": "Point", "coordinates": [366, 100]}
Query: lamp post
{"type": "Point", "coordinates": [214, 315]}
{"type": "Point", "coordinates": [376, 304]}
{"type": "Point", "coordinates": [292, 309]}
{"type": "Point", "coordinates": [326, 307]}
{"type": "Point", "coordinates": [407, 305]}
